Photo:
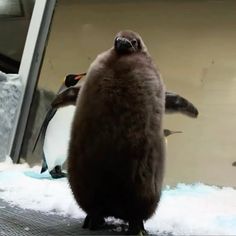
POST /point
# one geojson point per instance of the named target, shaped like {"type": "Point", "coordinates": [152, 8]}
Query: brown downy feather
{"type": "Point", "coordinates": [116, 152]}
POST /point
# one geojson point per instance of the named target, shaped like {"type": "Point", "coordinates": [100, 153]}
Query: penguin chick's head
{"type": "Point", "coordinates": [128, 42]}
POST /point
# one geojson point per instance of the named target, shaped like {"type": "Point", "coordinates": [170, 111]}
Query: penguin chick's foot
{"type": "Point", "coordinates": [136, 228]}
{"type": "Point", "coordinates": [93, 222]}
{"type": "Point", "coordinates": [57, 173]}
{"type": "Point", "coordinates": [142, 233]}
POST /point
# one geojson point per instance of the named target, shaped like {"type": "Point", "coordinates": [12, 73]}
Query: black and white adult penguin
{"type": "Point", "coordinates": [58, 129]}
{"type": "Point", "coordinates": [55, 132]}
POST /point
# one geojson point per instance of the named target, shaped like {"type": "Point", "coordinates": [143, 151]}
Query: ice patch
{"type": "Point", "coordinates": [10, 94]}
{"type": "Point", "coordinates": [196, 209]}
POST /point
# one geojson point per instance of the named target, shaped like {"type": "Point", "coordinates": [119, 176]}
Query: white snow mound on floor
{"type": "Point", "coordinates": [196, 209]}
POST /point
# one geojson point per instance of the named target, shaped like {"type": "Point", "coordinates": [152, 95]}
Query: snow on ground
{"type": "Point", "coordinates": [196, 209]}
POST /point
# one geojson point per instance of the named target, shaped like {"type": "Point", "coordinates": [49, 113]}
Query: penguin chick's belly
{"type": "Point", "coordinates": [116, 158]}
{"type": "Point", "coordinates": [57, 137]}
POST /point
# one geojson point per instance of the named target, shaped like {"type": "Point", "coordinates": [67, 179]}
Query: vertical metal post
{"type": "Point", "coordinates": [30, 68]}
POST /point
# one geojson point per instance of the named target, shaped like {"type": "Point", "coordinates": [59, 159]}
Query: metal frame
{"type": "Point", "coordinates": [30, 67]}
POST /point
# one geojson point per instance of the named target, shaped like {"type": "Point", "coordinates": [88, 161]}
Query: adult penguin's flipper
{"type": "Point", "coordinates": [175, 103]}
{"type": "Point", "coordinates": [42, 131]}
{"type": "Point", "coordinates": [66, 98]}
{"type": "Point", "coordinates": [44, 165]}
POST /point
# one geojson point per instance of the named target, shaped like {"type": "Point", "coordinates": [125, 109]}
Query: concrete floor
{"type": "Point", "coordinates": [192, 42]}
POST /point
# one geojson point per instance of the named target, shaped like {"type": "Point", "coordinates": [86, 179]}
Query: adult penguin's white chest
{"type": "Point", "coordinates": [57, 137]}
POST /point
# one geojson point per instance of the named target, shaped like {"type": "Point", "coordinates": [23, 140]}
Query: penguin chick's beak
{"type": "Point", "coordinates": [123, 45]}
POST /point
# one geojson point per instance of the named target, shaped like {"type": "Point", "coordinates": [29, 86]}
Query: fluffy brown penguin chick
{"type": "Point", "coordinates": [116, 152]}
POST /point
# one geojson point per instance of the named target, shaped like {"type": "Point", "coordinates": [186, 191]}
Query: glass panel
{"type": "Point", "coordinates": [9, 8]}
{"type": "Point", "coordinates": [14, 22]}
{"type": "Point", "coordinates": [15, 17]}
{"type": "Point", "coordinates": [192, 42]}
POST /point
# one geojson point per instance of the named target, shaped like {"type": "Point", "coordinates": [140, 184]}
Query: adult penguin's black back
{"type": "Point", "coordinates": [116, 152]}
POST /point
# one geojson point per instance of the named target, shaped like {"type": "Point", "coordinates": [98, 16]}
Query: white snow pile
{"type": "Point", "coordinates": [196, 209]}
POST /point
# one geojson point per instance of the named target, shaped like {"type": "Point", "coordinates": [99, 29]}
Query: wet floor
{"type": "Point", "coordinates": [193, 43]}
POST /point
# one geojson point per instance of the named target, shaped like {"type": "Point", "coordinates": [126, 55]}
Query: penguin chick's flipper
{"type": "Point", "coordinates": [234, 163]}
{"type": "Point", "coordinates": [176, 103]}
{"type": "Point", "coordinates": [57, 173]}
{"type": "Point", "coordinates": [173, 102]}
{"type": "Point", "coordinates": [66, 98]}
{"type": "Point", "coordinates": [168, 132]}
